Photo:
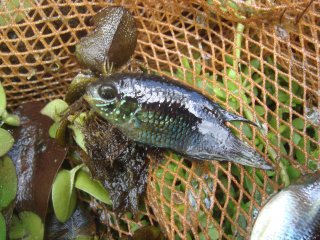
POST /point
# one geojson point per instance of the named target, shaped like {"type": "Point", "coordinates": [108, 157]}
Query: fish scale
{"type": "Point", "coordinates": [170, 130]}
{"type": "Point", "coordinates": [166, 114]}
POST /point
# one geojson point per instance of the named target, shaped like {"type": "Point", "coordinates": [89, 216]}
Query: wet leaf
{"type": "Point", "coordinates": [71, 119]}
{"type": "Point", "coordinates": [111, 43]}
{"type": "Point", "coordinates": [298, 123]}
{"type": "Point", "coordinates": [78, 86]}
{"type": "Point", "coordinates": [27, 225]}
{"type": "Point", "coordinates": [6, 141]}
{"type": "Point", "coordinates": [9, 119]}
{"type": "Point", "coordinates": [81, 224]}
{"type": "Point", "coordinates": [85, 183]}
{"type": "Point", "coordinates": [54, 109]}
{"type": "Point", "coordinates": [61, 132]}
{"type": "Point", "coordinates": [2, 227]}
{"type": "Point", "coordinates": [8, 182]}
{"type": "Point", "coordinates": [3, 100]}
{"type": "Point", "coordinates": [148, 233]}
{"type": "Point", "coordinates": [36, 157]}
{"type": "Point", "coordinates": [64, 196]}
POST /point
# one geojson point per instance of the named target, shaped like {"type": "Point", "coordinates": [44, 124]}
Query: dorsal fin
{"type": "Point", "coordinates": [228, 117]}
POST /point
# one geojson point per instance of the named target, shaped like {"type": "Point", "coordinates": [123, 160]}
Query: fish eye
{"type": "Point", "coordinates": [107, 92]}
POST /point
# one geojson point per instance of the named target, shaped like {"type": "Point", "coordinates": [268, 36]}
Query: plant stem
{"type": "Point", "coordinates": [237, 45]}
{"type": "Point", "coordinates": [283, 172]}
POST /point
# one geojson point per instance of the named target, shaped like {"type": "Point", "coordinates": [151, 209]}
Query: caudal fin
{"type": "Point", "coordinates": [246, 155]}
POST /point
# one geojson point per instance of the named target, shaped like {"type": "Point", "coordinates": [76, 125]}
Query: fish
{"type": "Point", "coordinates": [162, 113]}
{"type": "Point", "coordinates": [291, 214]}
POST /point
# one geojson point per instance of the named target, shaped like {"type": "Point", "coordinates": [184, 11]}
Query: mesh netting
{"type": "Point", "coordinates": [266, 70]}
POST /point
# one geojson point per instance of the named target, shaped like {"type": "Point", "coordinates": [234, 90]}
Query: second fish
{"type": "Point", "coordinates": [162, 113]}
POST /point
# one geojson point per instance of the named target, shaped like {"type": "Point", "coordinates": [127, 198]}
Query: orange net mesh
{"type": "Point", "coordinates": [267, 70]}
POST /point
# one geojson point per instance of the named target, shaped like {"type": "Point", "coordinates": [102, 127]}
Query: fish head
{"type": "Point", "coordinates": [111, 100]}
{"type": "Point", "coordinates": [103, 98]}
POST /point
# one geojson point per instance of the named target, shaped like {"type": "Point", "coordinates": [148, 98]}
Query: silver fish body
{"type": "Point", "coordinates": [157, 111]}
{"type": "Point", "coordinates": [291, 214]}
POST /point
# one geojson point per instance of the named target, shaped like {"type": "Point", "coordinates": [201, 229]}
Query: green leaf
{"type": "Point", "coordinates": [220, 93]}
{"type": "Point", "coordinates": [17, 230]}
{"type": "Point", "coordinates": [27, 226]}
{"type": "Point", "coordinates": [54, 109]}
{"type": "Point", "coordinates": [84, 182]}
{"type": "Point", "coordinates": [8, 181]}
{"type": "Point", "coordinates": [2, 227]}
{"type": "Point", "coordinates": [53, 130]}
{"type": "Point", "coordinates": [293, 173]}
{"type": "Point", "coordinates": [198, 68]}
{"type": "Point", "coordinates": [167, 193]}
{"type": "Point", "coordinates": [248, 184]}
{"type": "Point", "coordinates": [313, 165]}
{"type": "Point", "coordinates": [295, 87]}
{"type": "Point", "coordinates": [298, 123]}
{"type": "Point", "coordinates": [185, 63]}
{"type": "Point", "coordinates": [283, 96]}
{"type": "Point", "coordinates": [12, 120]}
{"type": "Point", "coordinates": [247, 131]}
{"type": "Point", "coordinates": [78, 137]}
{"type": "Point", "coordinates": [232, 73]}
{"type": "Point", "coordinates": [179, 74]}
{"type": "Point", "coordinates": [296, 138]}
{"type": "Point", "coordinates": [6, 141]}
{"type": "Point", "coordinates": [3, 100]}
{"type": "Point", "coordinates": [230, 82]}
{"type": "Point", "coordinates": [255, 63]}
{"type": "Point", "coordinates": [213, 233]}
{"type": "Point", "coordinates": [229, 60]}
{"type": "Point", "coordinates": [77, 125]}
{"type": "Point", "coordinates": [259, 110]}
{"type": "Point", "coordinates": [64, 196]}
{"type": "Point", "coordinates": [209, 88]}
{"type": "Point", "coordinates": [300, 156]}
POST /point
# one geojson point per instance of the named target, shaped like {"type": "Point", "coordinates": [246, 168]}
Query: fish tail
{"type": "Point", "coordinates": [246, 155]}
